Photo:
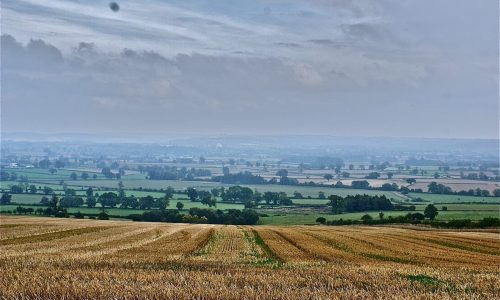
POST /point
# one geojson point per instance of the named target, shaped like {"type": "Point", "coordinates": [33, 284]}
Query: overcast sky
{"type": "Point", "coordinates": [339, 67]}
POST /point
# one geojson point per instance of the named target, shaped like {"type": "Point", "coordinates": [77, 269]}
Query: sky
{"type": "Point", "coordinates": [397, 68]}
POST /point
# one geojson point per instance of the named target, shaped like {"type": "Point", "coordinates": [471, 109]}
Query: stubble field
{"type": "Point", "coordinates": [44, 258]}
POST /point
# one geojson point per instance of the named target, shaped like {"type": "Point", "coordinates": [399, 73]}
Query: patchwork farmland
{"type": "Point", "coordinates": [44, 258]}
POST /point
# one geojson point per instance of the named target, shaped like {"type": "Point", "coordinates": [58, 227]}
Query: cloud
{"type": "Point", "coordinates": [371, 32]}
{"type": "Point", "coordinates": [255, 65]}
{"type": "Point", "coordinates": [36, 54]}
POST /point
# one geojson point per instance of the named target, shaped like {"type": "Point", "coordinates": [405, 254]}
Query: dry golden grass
{"type": "Point", "coordinates": [45, 258]}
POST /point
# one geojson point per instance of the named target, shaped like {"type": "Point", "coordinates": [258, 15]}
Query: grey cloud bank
{"type": "Point", "coordinates": [394, 68]}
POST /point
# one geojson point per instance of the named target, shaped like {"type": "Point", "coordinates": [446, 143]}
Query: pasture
{"type": "Point", "coordinates": [45, 258]}
{"type": "Point", "coordinates": [438, 198]}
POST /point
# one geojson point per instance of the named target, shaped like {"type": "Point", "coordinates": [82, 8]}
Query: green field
{"type": "Point", "coordinates": [42, 177]}
{"type": "Point", "coordinates": [85, 210]}
{"type": "Point", "coordinates": [203, 185]}
{"type": "Point", "coordinates": [127, 211]}
{"type": "Point", "coordinates": [437, 198]}
{"type": "Point", "coordinates": [311, 201]}
{"type": "Point", "coordinates": [27, 198]}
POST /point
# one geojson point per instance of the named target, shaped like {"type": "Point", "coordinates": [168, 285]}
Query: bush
{"type": "Point", "coordinates": [321, 220]}
{"type": "Point", "coordinates": [103, 216]}
{"type": "Point", "coordinates": [61, 214]}
{"type": "Point", "coordinates": [79, 215]}
{"type": "Point", "coordinates": [489, 222]}
{"type": "Point", "coordinates": [459, 223]}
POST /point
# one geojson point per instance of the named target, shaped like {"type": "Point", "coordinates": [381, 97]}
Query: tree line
{"type": "Point", "coordinates": [200, 215]}
{"type": "Point", "coordinates": [174, 173]}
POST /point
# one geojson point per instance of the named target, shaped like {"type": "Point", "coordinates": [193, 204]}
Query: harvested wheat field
{"type": "Point", "coordinates": [47, 258]}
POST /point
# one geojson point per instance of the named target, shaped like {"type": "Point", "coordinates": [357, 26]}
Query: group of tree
{"type": "Point", "coordinates": [438, 188]}
{"type": "Point", "coordinates": [111, 199]}
{"type": "Point", "coordinates": [205, 197]}
{"type": "Point", "coordinates": [478, 176]}
{"type": "Point", "coordinates": [175, 173]}
{"type": "Point", "coordinates": [415, 218]}
{"type": "Point", "coordinates": [238, 194]}
{"type": "Point", "coordinates": [239, 178]}
{"type": "Point", "coordinates": [5, 199]}
{"type": "Point", "coordinates": [6, 176]}
{"type": "Point", "coordinates": [85, 175]}
{"type": "Point", "coordinates": [56, 206]}
{"type": "Point", "coordinates": [23, 188]}
{"type": "Point", "coordinates": [201, 215]}
{"type": "Point", "coordinates": [359, 203]}
{"type": "Point", "coordinates": [109, 174]}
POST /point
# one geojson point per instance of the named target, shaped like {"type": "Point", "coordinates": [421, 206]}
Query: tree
{"type": "Point", "coordinates": [109, 199]}
{"type": "Point", "coordinates": [169, 192]}
{"type": "Point", "coordinates": [238, 194]}
{"type": "Point", "coordinates": [131, 202]}
{"type": "Point", "coordinates": [390, 175]}
{"type": "Point", "coordinates": [321, 195]}
{"type": "Point", "coordinates": [430, 212]}
{"type": "Point", "coordinates": [103, 216]}
{"type": "Point", "coordinates": [79, 215]}
{"type": "Point", "coordinates": [85, 175]}
{"type": "Point", "coordinates": [32, 189]}
{"type": "Point", "coordinates": [4, 176]}
{"type": "Point", "coordinates": [54, 201]}
{"type": "Point", "coordinates": [225, 171]}
{"type": "Point", "coordinates": [106, 171]}
{"type": "Point", "coordinates": [89, 192]}
{"type": "Point", "coordinates": [328, 176]}
{"type": "Point", "coordinates": [47, 190]}
{"type": "Point", "coordinates": [297, 195]}
{"type": "Point", "coordinates": [52, 170]}
{"type": "Point", "coordinates": [366, 218]}
{"type": "Point", "coordinates": [360, 184]}
{"type": "Point", "coordinates": [73, 176]}
{"type": "Point", "coordinates": [372, 175]}
{"type": "Point", "coordinates": [381, 215]}
{"type": "Point", "coordinates": [59, 163]}
{"type": "Point", "coordinates": [146, 202]}
{"type": "Point", "coordinates": [179, 205]}
{"type": "Point", "coordinates": [282, 173]}
{"type": "Point", "coordinates": [6, 198]}
{"type": "Point", "coordinates": [192, 193]}
{"type": "Point", "coordinates": [389, 187]}
{"type": "Point", "coordinates": [411, 181]}
{"type": "Point", "coordinates": [270, 197]}
{"type": "Point", "coordinates": [321, 220]}
{"type": "Point", "coordinates": [44, 200]}
{"type": "Point", "coordinates": [121, 191]}
{"type": "Point", "coordinates": [346, 174]}
{"type": "Point", "coordinates": [44, 163]}
{"type": "Point", "coordinates": [163, 203]}
{"type": "Point", "coordinates": [91, 201]}
{"type": "Point", "coordinates": [17, 189]}
{"type": "Point", "coordinates": [206, 198]}
{"type": "Point", "coordinates": [337, 203]}
{"type": "Point", "coordinates": [351, 167]}
{"type": "Point", "coordinates": [436, 175]}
